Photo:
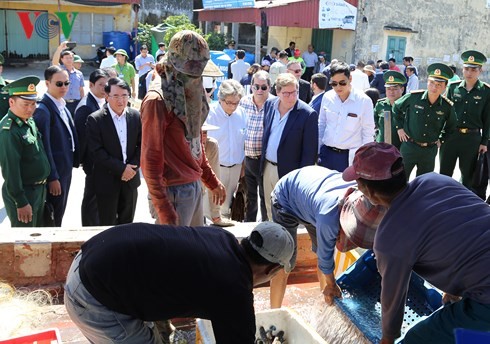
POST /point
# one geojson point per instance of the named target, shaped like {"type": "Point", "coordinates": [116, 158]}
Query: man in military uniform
{"type": "Point", "coordinates": [394, 82]}
{"type": "Point", "coordinates": [423, 118]}
{"type": "Point", "coordinates": [23, 160]}
{"type": "Point", "coordinates": [4, 95]}
{"type": "Point", "coordinates": [471, 99]}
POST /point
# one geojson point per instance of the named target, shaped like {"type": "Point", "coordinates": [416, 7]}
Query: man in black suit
{"type": "Point", "coordinates": [59, 138]}
{"type": "Point", "coordinates": [296, 69]}
{"type": "Point", "coordinates": [114, 142]}
{"type": "Point", "coordinates": [93, 101]}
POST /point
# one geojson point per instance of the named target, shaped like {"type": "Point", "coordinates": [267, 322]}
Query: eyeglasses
{"type": "Point", "coordinates": [126, 96]}
{"type": "Point", "coordinates": [227, 102]}
{"type": "Point", "coordinates": [61, 83]}
{"type": "Point", "coordinates": [289, 94]}
{"type": "Point", "coordinates": [261, 87]}
{"type": "Point", "coordinates": [295, 71]}
{"type": "Point", "coordinates": [335, 83]}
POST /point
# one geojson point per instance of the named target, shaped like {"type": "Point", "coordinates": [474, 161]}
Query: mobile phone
{"type": "Point", "coordinates": [71, 45]}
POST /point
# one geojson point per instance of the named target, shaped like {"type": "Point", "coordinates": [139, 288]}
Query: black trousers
{"type": "Point", "coordinates": [90, 213]}
{"type": "Point", "coordinates": [59, 202]}
{"type": "Point", "coordinates": [253, 179]}
{"type": "Point", "coordinates": [117, 207]}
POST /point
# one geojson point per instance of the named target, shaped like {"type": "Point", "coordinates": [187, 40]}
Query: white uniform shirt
{"type": "Point", "coordinates": [346, 125]}
{"type": "Point", "coordinates": [230, 135]}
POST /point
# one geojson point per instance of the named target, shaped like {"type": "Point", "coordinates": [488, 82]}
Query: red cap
{"type": "Point", "coordinates": [373, 161]}
{"type": "Point", "coordinates": [297, 52]}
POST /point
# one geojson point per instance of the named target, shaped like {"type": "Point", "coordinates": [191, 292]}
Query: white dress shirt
{"type": "Point", "coordinates": [109, 61]}
{"type": "Point", "coordinates": [230, 135]}
{"type": "Point", "coordinates": [239, 69]}
{"type": "Point", "coordinates": [413, 83]}
{"type": "Point", "coordinates": [348, 124]}
{"type": "Point", "coordinates": [360, 80]}
{"type": "Point", "coordinates": [122, 130]}
{"type": "Point", "coordinates": [65, 116]}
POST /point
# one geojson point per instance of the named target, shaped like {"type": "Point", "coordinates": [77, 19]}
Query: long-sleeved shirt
{"type": "Point", "coordinates": [413, 83]}
{"type": "Point", "coordinates": [312, 194]}
{"type": "Point", "coordinates": [348, 124]}
{"type": "Point", "coordinates": [473, 107]}
{"type": "Point", "coordinates": [255, 126]}
{"type": "Point", "coordinates": [153, 272]}
{"type": "Point", "coordinates": [422, 121]}
{"type": "Point", "coordinates": [166, 158]}
{"type": "Point", "coordinates": [440, 230]}
{"type": "Point", "coordinates": [230, 135]}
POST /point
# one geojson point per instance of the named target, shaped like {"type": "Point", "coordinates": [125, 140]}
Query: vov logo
{"type": "Point", "coordinates": [45, 24]}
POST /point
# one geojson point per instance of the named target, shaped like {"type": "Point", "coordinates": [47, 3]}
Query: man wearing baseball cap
{"type": "Point", "coordinates": [128, 277]}
{"type": "Point", "coordinates": [471, 98]}
{"type": "Point", "coordinates": [23, 161]}
{"type": "Point", "coordinates": [172, 113]}
{"type": "Point", "coordinates": [435, 227]}
{"type": "Point", "coordinates": [334, 213]}
{"type": "Point", "coordinates": [423, 119]}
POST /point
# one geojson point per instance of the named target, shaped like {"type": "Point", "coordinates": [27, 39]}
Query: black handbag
{"type": "Point", "coordinates": [48, 216]}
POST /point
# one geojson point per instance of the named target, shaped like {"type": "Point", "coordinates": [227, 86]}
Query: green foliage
{"type": "Point", "coordinates": [144, 34]}
{"type": "Point", "coordinates": [216, 41]}
{"type": "Point", "coordinates": [176, 24]}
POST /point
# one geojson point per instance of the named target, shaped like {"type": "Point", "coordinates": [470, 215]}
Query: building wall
{"type": "Point", "coordinates": [155, 11]}
{"type": "Point", "coordinates": [443, 29]}
{"type": "Point", "coordinates": [281, 36]}
{"type": "Point", "coordinates": [122, 14]}
{"type": "Point", "coordinates": [343, 45]}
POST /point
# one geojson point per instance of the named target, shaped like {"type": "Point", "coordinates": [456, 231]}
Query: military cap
{"type": "Point", "coordinates": [394, 78]}
{"type": "Point", "coordinates": [121, 52]}
{"type": "Point", "coordinates": [2, 60]}
{"type": "Point", "coordinates": [77, 58]}
{"type": "Point", "coordinates": [187, 52]}
{"type": "Point", "coordinates": [24, 87]}
{"type": "Point", "coordinates": [473, 58]}
{"type": "Point", "coordinates": [439, 72]}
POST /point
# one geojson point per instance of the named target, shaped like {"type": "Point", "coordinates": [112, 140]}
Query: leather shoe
{"type": "Point", "coordinates": [223, 223]}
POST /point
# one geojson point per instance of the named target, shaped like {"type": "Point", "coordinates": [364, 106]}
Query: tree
{"type": "Point", "coordinates": [144, 35]}
{"type": "Point", "coordinates": [216, 41]}
{"type": "Point", "coordinates": [176, 24]}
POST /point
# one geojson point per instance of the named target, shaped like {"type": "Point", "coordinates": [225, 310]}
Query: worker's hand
{"type": "Point", "coordinates": [386, 340]}
{"type": "Point", "coordinates": [54, 187]}
{"type": "Point", "coordinates": [448, 298]}
{"type": "Point", "coordinates": [482, 149]}
{"type": "Point", "coordinates": [24, 214]}
{"type": "Point", "coordinates": [219, 194]}
{"type": "Point", "coordinates": [129, 172]}
{"type": "Point", "coordinates": [402, 135]}
{"type": "Point", "coordinates": [330, 292]}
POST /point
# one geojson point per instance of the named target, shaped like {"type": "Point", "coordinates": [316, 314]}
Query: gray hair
{"type": "Point", "coordinates": [293, 62]}
{"type": "Point", "coordinates": [262, 75]}
{"type": "Point", "coordinates": [230, 87]}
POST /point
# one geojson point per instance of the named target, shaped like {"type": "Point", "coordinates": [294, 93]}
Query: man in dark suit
{"type": "Point", "coordinates": [290, 130]}
{"type": "Point", "coordinates": [59, 138]}
{"type": "Point", "coordinates": [296, 69]}
{"type": "Point", "coordinates": [114, 142]}
{"type": "Point", "coordinates": [318, 85]}
{"type": "Point", "coordinates": [93, 101]}
{"type": "Point", "coordinates": [378, 81]}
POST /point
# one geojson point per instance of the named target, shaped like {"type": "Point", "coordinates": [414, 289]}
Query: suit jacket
{"type": "Point", "coordinates": [105, 149]}
{"type": "Point", "coordinates": [297, 147]}
{"type": "Point", "coordinates": [87, 106]}
{"type": "Point", "coordinates": [57, 139]}
{"type": "Point", "coordinates": [304, 91]}
{"type": "Point", "coordinates": [379, 83]}
{"type": "Point", "coordinates": [317, 103]}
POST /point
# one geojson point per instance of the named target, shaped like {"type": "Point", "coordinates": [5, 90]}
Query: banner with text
{"type": "Point", "coordinates": [217, 4]}
{"type": "Point", "coordinates": [337, 14]}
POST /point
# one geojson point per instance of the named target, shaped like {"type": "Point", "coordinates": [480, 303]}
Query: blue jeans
{"type": "Point", "coordinates": [438, 328]}
{"type": "Point", "coordinates": [99, 324]}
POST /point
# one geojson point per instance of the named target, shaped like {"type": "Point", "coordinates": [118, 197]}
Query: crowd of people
{"type": "Point", "coordinates": [327, 145]}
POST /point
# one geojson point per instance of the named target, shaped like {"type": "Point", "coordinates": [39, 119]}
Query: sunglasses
{"type": "Point", "coordinates": [61, 83]}
{"type": "Point", "coordinates": [260, 87]}
{"type": "Point", "coordinates": [296, 71]}
{"type": "Point", "coordinates": [335, 83]}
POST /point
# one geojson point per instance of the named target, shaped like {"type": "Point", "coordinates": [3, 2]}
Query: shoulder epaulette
{"type": "Point", "coordinates": [381, 99]}
{"type": "Point", "coordinates": [417, 91]}
{"type": "Point", "coordinates": [486, 84]}
{"type": "Point", "coordinates": [455, 82]}
{"type": "Point", "coordinates": [447, 100]}
{"type": "Point", "coordinates": [7, 124]}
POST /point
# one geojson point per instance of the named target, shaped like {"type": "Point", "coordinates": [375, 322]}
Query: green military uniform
{"type": "Point", "coordinates": [391, 78]}
{"type": "Point", "coordinates": [473, 127]}
{"type": "Point", "coordinates": [4, 95]}
{"type": "Point", "coordinates": [23, 160]}
{"type": "Point", "coordinates": [424, 123]}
